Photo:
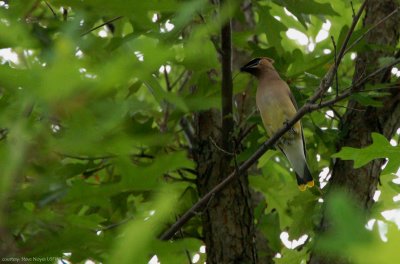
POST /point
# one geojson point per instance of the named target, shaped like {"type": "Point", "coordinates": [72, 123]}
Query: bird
{"type": "Point", "coordinates": [277, 106]}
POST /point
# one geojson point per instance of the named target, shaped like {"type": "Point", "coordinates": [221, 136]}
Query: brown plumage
{"type": "Point", "coordinates": [277, 106]}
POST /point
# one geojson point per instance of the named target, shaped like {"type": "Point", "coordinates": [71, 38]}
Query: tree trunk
{"type": "Point", "coordinates": [228, 222]}
{"type": "Point", "coordinates": [360, 121]}
{"type": "Point", "coordinates": [228, 225]}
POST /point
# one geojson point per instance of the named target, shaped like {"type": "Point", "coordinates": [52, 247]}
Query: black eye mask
{"type": "Point", "coordinates": [251, 64]}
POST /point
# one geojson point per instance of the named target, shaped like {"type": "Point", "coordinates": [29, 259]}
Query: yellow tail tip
{"type": "Point", "coordinates": [310, 184]}
{"type": "Point", "coordinates": [302, 187]}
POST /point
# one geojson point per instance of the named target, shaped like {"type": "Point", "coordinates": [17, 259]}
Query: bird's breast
{"type": "Point", "coordinates": [276, 110]}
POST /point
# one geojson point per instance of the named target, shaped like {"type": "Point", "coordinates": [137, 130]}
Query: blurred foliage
{"type": "Point", "coordinates": [94, 161]}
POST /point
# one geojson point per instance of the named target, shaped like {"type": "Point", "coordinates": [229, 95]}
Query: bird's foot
{"type": "Point", "coordinates": [291, 131]}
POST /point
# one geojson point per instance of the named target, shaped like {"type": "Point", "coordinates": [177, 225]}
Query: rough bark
{"type": "Point", "coordinates": [360, 121]}
{"type": "Point", "coordinates": [228, 222]}
{"type": "Point", "coordinates": [228, 226]}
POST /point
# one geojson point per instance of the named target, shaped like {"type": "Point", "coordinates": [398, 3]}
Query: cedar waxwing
{"type": "Point", "coordinates": [277, 106]}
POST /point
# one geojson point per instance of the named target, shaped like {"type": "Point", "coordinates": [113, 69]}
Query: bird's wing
{"type": "Point", "coordinates": [301, 126]}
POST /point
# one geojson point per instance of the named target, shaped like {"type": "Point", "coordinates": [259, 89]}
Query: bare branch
{"type": "Point", "coordinates": [352, 8]}
{"type": "Point", "coordinates": [245, 133]}
{"type": "Point", "coordinates": [337, 67]}
{"type": "Point", "coordinates": [51, 9]}
{"type": "Point", "coordinates": [188, 131]}
{"type": "Point", "coordinates": [226, 86]}
{"type": "Point", "coordinates": [167, 82]}
{"type": "Point", "coordinates": [85, 157]}
{"type": "Point", "coordinates": [350, 90]}
{"type": "Point", "coordinates": [219, 148]}
{"type": "Point", "coordinates": [327, 80]}
{"type": "Point", "coordinates": [112, 226]}
{"type": "Point", "coordinates": [178, 79]}
{"type": "Point", "coordinates": [101, 25]}
{"type": "Point", "coordinates": [307, 108]}
{"type": "Point", "coordinates": [30, 11]}
{"type": "Point", "coordinates": [3, 133]}
{"type": "Point", "coordinates": [164, 122]}
{"type": "Point", "coordinates": [370, 29]}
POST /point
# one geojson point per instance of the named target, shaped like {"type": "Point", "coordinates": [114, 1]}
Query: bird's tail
{"type": "Point", "coordinates": [305, 181]}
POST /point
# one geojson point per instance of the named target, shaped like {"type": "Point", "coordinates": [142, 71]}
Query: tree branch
{"type": "Point", "coordinates": [307, 108]}
{"type": "Point", "coordinates": [328, 79]}
{"type": "Point", "coordinates": [355, 42]}
{"type": "Point", "coordinates": [188, 132]}
{"type": "Point", "coordinates": [103, 24]}
{"type": "Point", "coordinates": [51, 9]}
{"type": "Point", "coordinates": [350, 90]}
{"type": "Point", "coordinates": [227, 86]}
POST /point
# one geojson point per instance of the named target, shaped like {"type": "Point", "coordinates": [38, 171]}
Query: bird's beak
{"type": "Point", "coordinates": [251, 66]}
{"type": "Point", "coordinates": [247, 68]}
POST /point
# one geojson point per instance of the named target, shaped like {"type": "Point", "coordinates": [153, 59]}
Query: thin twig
{"type": "Point", "coordinates": [245, 133]}
{"type": "Point", "coordinates": [219, 148]}
{"type": "Point", "coordinates": [51, 9]}
{"type": "Point", "coordinates": [168, 176]}
{"type": "Point", "coordinates": [65, 13]}
{"type": "Point", "coordinates": [336, 113]}
{"type": "Point", "coordinates": [188, 132]}
{"type": "Point", "coordinates": [3, 133]}
{"type": "Point", "coordinates": [336, 74]}
{"type": "Point", "coordinates": [112, 226]}
{"type": "Point", "coordinates": [84, 157]}
{"type": "Point", "coordinates": [347, 107]}
{"type": "Point", "coordinates": [355, 42]}
{"type": "Point", "coordinates": [101, 25]}
{"type": "Point", "coordinates": [350, 90]}
{"type": "Point", "coordinates": [387, 75]}
{"type": "Point", "coordinates": [30, 11]}
{"type": "Point", "coordinates": [164, 122]}
{"type": "Point", "coordinates": [394, 62]}
{"type": "Point", "coordinates": [352, 9]}
{"type": "Point", "coordinates": [327, 80]}
{"type": "Point", "coordinates": [186, 251]}
{"type": "Point", "coordinates": [87, 173]}
{"type": "Point", "coordinates": [374, 89]}
{"type": "Point", "coordinates": [167, 83]}
{"type": "Point", "coordinates": [184, 177]}
{"type": "Point", "coordinates": [177, 79]}
{"type": "Point", "coordinates": [307, 108]}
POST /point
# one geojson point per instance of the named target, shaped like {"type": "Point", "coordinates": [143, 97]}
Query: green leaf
{"type": "Point", "coordinates": [347, 227]}
{"type": "Point", "coordinates": [385, 61]}
{"type": "Point", "coordinates": [366, 100]}
{"type": "Point", "coordinates": [270, 226]}
{"type": "Point", "coordinates": [266, 157]}
{"type": "Point", "coordinates": [388, 190]}
{"type": "Point", "coordinates": [87, 221]}
{"type": "Point", "coordinates": [379, 251]}
{"type": "Point", "coordinates": [290, 256]}
{"type": "Point", "coordinates": [171, 253]}
{"type": "Point", "coordinates": [302, 8]}
{"type": "Point", "coordinates": [150, 176]}
{"type": "Point", "coordinates": [135, 245]}
{"type": "Point", "coordinates": [380, 148]}
{"type": "Point", "coordinates": [160, 94]}
{"type": "Point", "coordinates": [302, 209]}
{"type": "Point", "coordinates": [271, 27]}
